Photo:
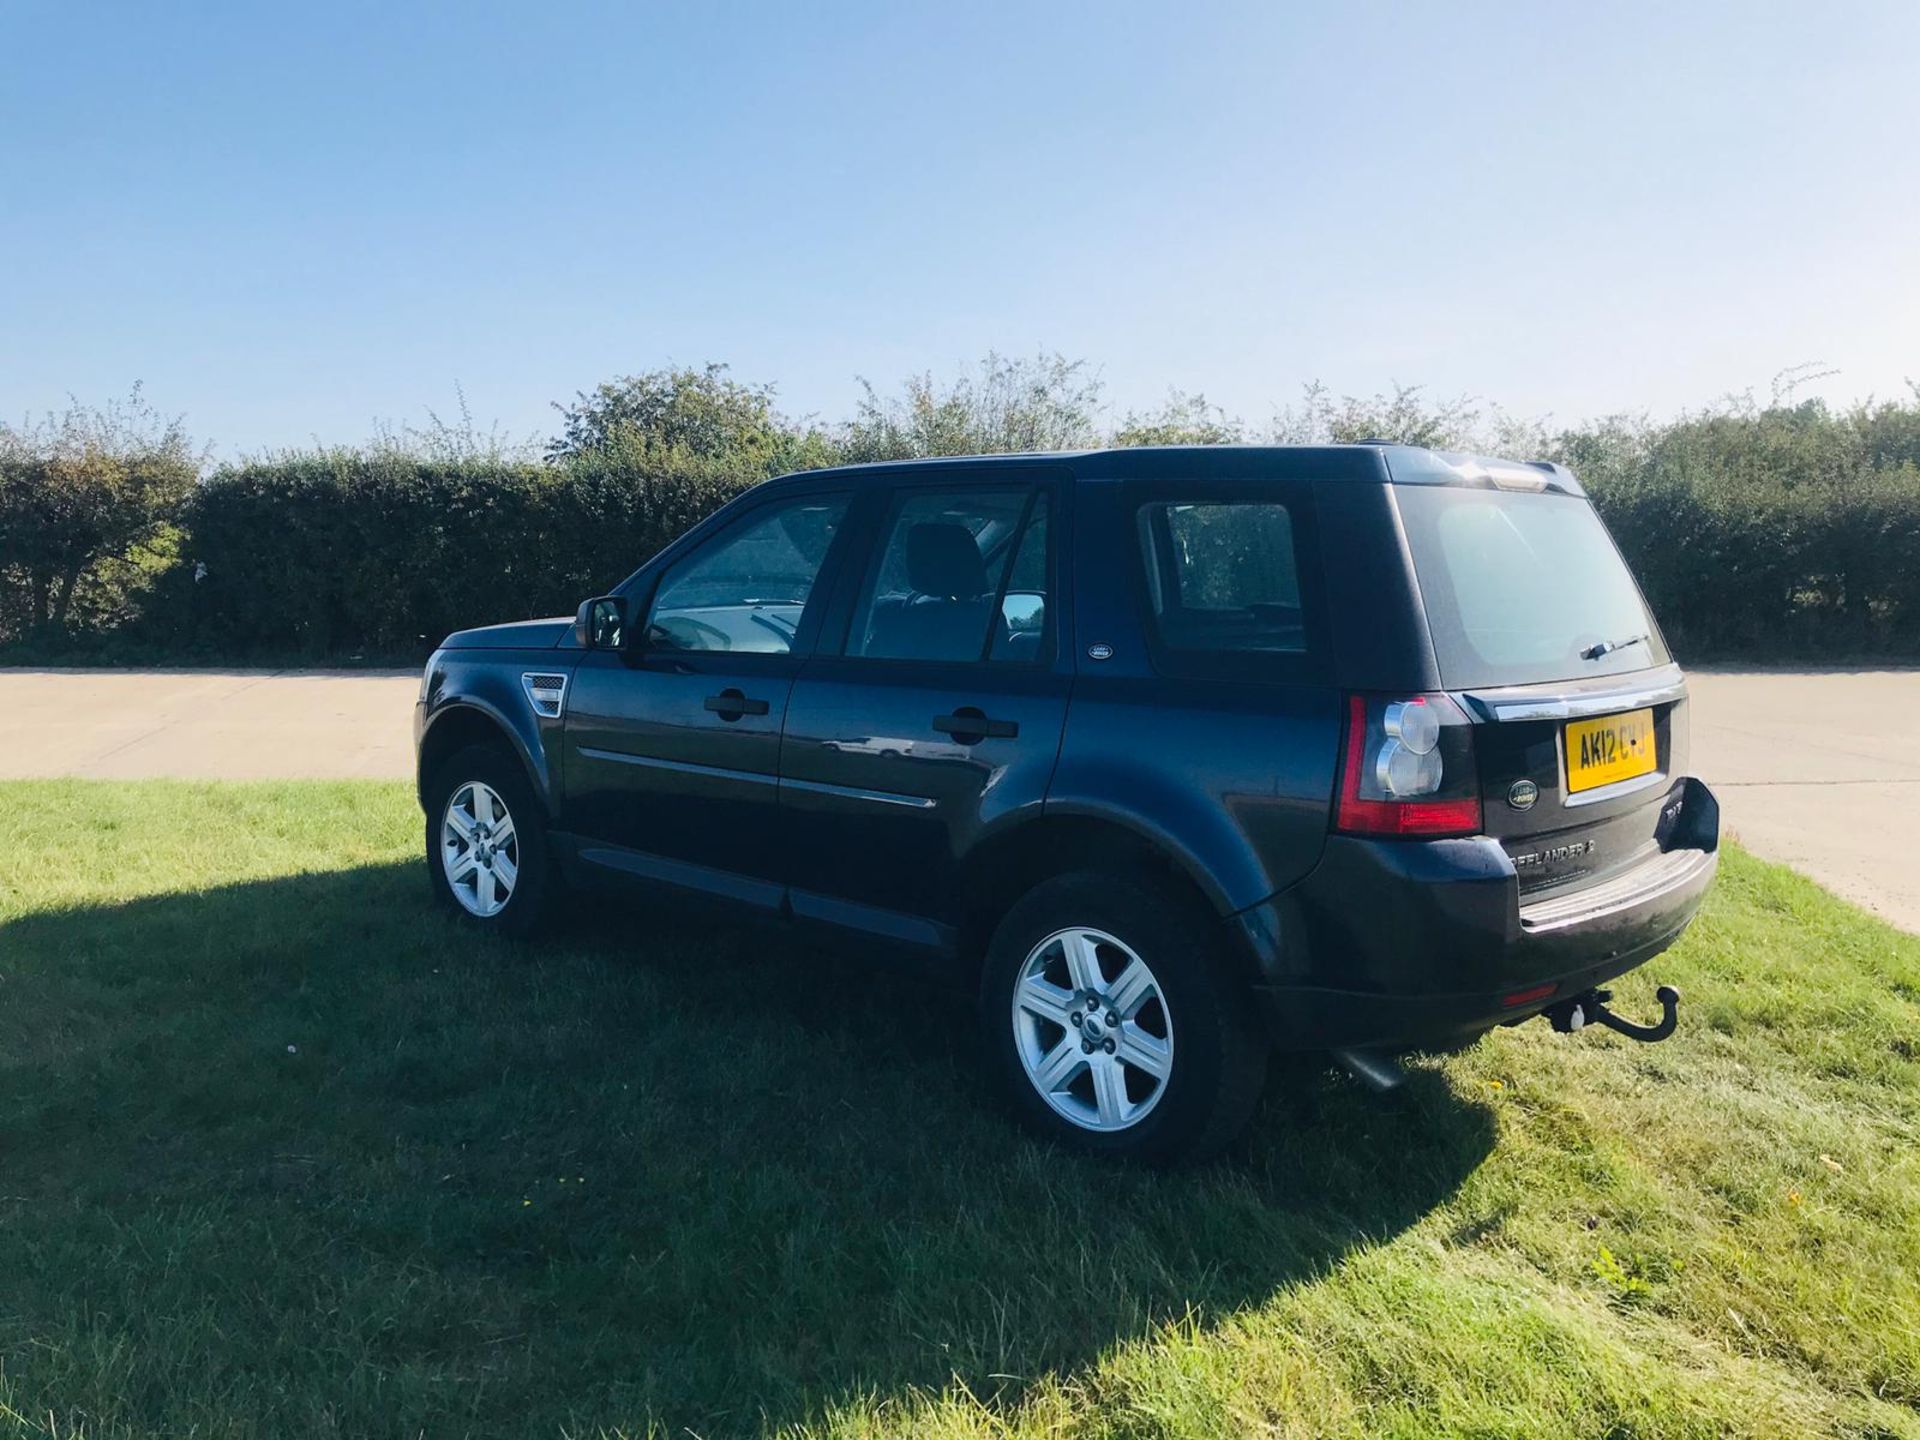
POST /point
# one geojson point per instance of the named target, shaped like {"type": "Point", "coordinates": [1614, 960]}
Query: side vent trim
{"type": "Point", "coordinates": [547, 693]}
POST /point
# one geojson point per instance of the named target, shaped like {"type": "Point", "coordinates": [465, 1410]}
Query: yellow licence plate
{"type": "Point", "coordinates": [1614, 747]}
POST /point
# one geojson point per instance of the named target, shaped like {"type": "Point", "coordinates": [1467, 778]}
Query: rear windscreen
{"type": "Point", "coordinates": [1523, 588]}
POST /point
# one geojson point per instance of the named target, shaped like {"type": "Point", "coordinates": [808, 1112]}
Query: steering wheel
{"type": "Point", "coordinates": [708, 637]}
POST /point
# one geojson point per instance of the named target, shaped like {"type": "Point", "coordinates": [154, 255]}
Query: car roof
{"type": "Point", "coordinates": [1364, 460]}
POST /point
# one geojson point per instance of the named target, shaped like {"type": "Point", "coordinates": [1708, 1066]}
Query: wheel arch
{"type": "Point", "coordinates": [1005, 866]}
{"type": "Point", "coordinates": [471, 721]}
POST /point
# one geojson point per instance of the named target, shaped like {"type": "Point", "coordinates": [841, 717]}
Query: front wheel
{"type": "Point", "coordinates": [487, 841]}
{"type": "Point", "coordinates": [1114, 1023]}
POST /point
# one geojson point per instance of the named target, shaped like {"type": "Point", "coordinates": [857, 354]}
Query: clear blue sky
{"type": "Point", "coordinates": [290, 220]}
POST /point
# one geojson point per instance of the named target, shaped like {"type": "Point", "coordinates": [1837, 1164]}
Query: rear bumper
{"type": "Point", "coordinates": [1423, 945]}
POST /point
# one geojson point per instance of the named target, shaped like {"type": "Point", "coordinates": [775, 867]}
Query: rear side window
{"type": "Point", "coordinates": [1523, 588]}
{"type": "Point", "coordinates": [1223, 577]}
{"type": "Point", "coordinates": [960, 576]}
{"type": "Point", "coordinates": [1023, 610]}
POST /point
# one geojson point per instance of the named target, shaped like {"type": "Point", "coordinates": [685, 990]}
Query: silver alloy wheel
{"type": "Point", "coordinates": [1093, 1030]}
{"type": "Point", "coordinates": [479, 849]}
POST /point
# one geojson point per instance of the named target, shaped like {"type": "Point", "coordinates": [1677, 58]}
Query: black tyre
{"type": "Point", "coordinates": [1112, 1021]}
{"type": "Point", "coordinates": [487, 850]}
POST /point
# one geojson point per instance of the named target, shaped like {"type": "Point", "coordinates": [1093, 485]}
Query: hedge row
{"type": "Point", "coordinates": [344, 554]}
{"type": "Point", "coordinates": [1806, 573]}
{"type": "Point", "coordinates": [1786, 533]}
{"type": "Point", "coordinates": [1790, 532]}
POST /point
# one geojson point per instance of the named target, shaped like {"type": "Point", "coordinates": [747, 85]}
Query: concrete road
{"type": "Point", "coordinates": [1821, 770]}
{"type": "Point", "coordinates": [207, 724]}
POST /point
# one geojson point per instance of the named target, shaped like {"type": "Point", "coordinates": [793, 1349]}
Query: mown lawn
{"type": "Point", "coordinates": [283, 1152]}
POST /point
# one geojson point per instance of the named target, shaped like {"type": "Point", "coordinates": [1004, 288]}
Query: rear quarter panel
{"type": "Point", "coordinates": [1232, 779]}
{"type": "Point", "coordinates": [1375, 616]}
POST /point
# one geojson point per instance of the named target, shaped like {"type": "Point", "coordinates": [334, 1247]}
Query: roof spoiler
{"type": "Point", "coordinates": [1413, 465]}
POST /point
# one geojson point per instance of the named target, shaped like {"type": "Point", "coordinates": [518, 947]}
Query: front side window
{"type": "Point", "coordinates": [745, 590]}
{"type": "Point", "coordinates": [1222, 576]}
{"type": "Point", "coordinates": [943, 585]}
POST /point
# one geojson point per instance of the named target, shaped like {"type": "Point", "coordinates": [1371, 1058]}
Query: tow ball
{"type": "Point", "coordinates": [1591, 1009]}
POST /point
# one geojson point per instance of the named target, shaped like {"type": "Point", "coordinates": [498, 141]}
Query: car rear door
{"type": "Point", "coordinates": [933, 707]}
{"type": "Point", "coordinates": [673, 744]}
{"type": "Point", "coordinates": [1558, 827]}
{"type": "Point", "coordinates": [1541, 635]}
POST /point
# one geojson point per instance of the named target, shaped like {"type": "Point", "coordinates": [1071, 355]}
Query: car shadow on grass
{"type": "Point", "coordinates": [306, 1153]}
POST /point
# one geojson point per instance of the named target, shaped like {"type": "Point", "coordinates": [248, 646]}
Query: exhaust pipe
{"type": "Point", "coordinates": [1379, 1073]}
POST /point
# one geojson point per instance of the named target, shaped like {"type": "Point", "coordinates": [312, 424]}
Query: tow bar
{"type": "Point", "coordinates": [1591, 1009]}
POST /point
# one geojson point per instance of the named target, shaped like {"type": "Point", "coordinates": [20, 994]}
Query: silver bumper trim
{"type": "Point", "coordinates": [1665, 873]}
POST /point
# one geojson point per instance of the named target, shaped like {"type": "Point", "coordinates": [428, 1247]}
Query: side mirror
{"type": "Point", "coordinates": [601, 623]}
{"type": "Point", "coordinates": [1024, 610]}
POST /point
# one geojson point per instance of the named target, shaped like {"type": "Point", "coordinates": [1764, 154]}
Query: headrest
{"type": "Point", "coordinates": [942, 559]}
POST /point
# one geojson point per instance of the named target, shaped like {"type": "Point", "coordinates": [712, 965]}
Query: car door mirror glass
{"type": "Point", "coordinates": [1025, 611]}
{"type": "Point", "coordinates": [601, 623]}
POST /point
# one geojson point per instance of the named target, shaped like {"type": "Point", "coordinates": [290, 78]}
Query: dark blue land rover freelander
{"type": "Point", "coordinates": [1175, 756]}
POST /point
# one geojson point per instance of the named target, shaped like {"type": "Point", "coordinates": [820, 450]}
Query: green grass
{"type": "Point", "coordinates": [283, 1152]}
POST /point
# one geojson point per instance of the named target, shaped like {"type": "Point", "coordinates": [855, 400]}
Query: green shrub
{"type": "Point", "coordinates": [1787, 531]}
{"type": "Point", "coordinates": [344, 552]}
{"type": "Point", "coordinates": [1782, 531]}
{"type": "Point", "coordinates": [87, 505]}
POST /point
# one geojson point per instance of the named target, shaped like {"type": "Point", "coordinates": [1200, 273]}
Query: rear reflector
{"type": "Point", "coordinates": [1526, 997]}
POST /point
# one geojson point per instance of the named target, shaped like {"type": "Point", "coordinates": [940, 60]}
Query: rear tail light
{"type": "Point", "coordinates": [1407, 768]}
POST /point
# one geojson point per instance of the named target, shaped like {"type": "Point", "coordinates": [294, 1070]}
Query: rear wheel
{"type": "Point", "coordinates": [1113, 1023]}
{"type": "Point", "coordinates": [487, 841]}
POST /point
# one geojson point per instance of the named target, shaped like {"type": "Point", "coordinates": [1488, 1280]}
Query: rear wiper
{"type": "Point", "coordinates": [1607, 647]}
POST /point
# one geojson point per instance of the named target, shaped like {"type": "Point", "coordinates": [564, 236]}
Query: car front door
{"type": "Point", "coordinates": [673, 743]}
{"type": "Point", "coordinates": [932, 709]}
